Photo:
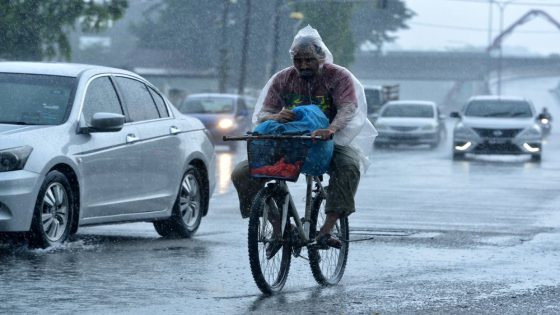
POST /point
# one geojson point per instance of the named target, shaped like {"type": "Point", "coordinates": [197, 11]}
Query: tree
{"type": "Point", "coordinates": [375, 24]}
{"type": "Point", "coordinates": [332, 19]}
{"type": "Point", "coordinates": [190, 27]}
{"type": "Point", "coordinates": [37, 29]}
{"type": "Point", "coordinates": [344, 24]}
{"type": "Point", "coordinates": [211, 35]}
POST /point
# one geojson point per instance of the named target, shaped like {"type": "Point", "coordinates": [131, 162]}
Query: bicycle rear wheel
{"type": "Point", "coordinates": [270, 275]}
{"type": "Point", "coordinates": [327, 265]}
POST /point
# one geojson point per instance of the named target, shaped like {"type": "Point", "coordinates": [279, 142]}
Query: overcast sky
{"type": "Point", "coordinates": [449, 24]}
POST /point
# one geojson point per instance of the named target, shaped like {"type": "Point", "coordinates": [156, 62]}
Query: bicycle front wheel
{"type": "Point", "coordinates": [270, 275]}
{"type": "Point", "coordinates": [327, 265]}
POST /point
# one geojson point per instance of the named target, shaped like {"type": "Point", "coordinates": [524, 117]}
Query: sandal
{"type": "Point", "coordinates": [273, 247]}
{"type": "Point", "coordinates": [327, 240]}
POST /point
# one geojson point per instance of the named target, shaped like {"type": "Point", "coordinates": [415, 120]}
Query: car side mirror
{"type": "Point", "coordinates": [104, 122]}
{"type": "Point", "coordinates": [455, 115]}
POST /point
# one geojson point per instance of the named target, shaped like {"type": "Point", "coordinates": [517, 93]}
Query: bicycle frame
{"type": "Point", "coordinates": [288, 206]}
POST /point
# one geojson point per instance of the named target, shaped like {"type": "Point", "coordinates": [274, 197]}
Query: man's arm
{"type": "Point", "coordinates": [283, 116]}
{"type": "Point", "coordinates": [264, 115]}
{"type": "Point", "coordinates": [343, 116]}
{"type": "Point", "coordinates": [344, 113]}
{"type": "Point", "coordinates": [273, 107]}
{"type": "Point", "coordinates": [344, 98]}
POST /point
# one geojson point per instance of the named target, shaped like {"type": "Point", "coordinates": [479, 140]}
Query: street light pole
{"type": "Point", "coordinates": [502, 7]}
{"type": "Point", "coordinates": [294, 15]}
{"type": "Point", "coordinates": [500, 51]}
{"type": "Point", "coordinates": [276, 37]}
{"type": "Point", "coordinates": [490, 18]}
{"type": "Point", "coordinates": [224, 56]}
{"type": "Point", "coordinates": [245, 48]}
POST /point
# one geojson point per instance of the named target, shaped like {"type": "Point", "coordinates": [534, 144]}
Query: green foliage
{"type": "Point", "coordinates": [191, 27]}
{"type": "Point", "coordinates": [197, 31]}
{"type": "Point", "coordinates": [344, 25]}
{"type": "Point", "coordinates": [376, 25]}
{"type": "Point", "coordinates": [37, 29]}
{"type": "Point", "coordinates": [332, 21]}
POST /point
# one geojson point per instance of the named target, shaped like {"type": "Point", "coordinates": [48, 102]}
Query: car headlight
{"type": "Point", "coordinates": [531, 132]}
{"type": "Point", "coordinates": [464, 132]}
{"type": "Point", "coordinates": [225, 123]}
{"type": "Point", "coordinates": [14, 159]}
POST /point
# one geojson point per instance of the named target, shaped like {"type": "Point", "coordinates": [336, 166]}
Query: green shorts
{"type": "Point", "coordinates": [344, 173]}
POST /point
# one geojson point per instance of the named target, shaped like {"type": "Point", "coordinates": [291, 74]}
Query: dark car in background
{"type": "Point", "coordinates": [222, 114]}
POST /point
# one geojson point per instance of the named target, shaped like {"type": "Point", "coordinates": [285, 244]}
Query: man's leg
{"type": "Point", "coordinates": [344, 179]}
{"type": "Point", "coordinates": [329, 223]}
{"type": "Point", "coordinates": [247, 187]}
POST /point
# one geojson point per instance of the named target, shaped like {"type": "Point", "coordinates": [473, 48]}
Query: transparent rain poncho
{"type": "Point", "coordinates": [359, 132]}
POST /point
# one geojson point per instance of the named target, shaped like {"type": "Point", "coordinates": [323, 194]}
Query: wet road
{"type": "Point", "coordinates": [432, 236]}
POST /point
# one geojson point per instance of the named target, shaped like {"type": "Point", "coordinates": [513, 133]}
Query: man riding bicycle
{"type": "Point", "coordinates": [314, 79]}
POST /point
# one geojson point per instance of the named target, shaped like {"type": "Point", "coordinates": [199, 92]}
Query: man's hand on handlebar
{"type": "Point", "coordinates": [325, 134]}
{"type": "Point", "coordinates": [283, 116]}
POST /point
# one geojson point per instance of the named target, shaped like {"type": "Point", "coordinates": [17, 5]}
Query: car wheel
{"type": "Point", "coordinates": [188, 208]}
{"type": "Point", "coordinates": [54, 212]}
{"type": "Point", "coordinates": [536, 158]}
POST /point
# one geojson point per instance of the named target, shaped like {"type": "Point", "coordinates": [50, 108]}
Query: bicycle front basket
{"type": "Point", "coordinates": [277, 159]}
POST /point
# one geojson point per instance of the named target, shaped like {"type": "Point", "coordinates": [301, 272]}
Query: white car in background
{"type": "Point", "coordinates": [497, 125]}
{"type": "Point", "coordinates": [410, 122]}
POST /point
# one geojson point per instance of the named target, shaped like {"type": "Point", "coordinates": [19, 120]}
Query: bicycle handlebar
{"type": "Point", "coordinates": [273, 137]}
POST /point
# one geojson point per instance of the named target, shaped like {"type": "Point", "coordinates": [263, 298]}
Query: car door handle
{"type": "Point", "coordinates": [174, 130]}
{"type": "Point", "coordinates": [131, 138]}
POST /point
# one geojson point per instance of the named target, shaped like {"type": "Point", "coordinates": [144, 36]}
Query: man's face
{"type": "Point", "coordinates": [306, 63]}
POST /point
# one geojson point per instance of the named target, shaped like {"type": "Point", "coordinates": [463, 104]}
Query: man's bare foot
{"type": "Point", "coordinates": [324, 238]}
{"type": "Point", "coordinates": [328, 225]}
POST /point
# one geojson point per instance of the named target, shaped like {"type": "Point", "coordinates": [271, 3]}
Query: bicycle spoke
{"type": "Point", "coordinates": [269, 267]}
{"type": "Point", "coordinates": [328, 264]}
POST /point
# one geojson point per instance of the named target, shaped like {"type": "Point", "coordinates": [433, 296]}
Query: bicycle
{"type": "Point", "coordinates": [327, 264]}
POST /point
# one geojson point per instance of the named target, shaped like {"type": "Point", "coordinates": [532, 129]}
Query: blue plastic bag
{"type": "Point", "coordinates": [308, 118]}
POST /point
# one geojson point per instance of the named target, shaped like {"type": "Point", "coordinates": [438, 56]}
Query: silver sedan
{"type": "Point", "coordinates": [83, 145]}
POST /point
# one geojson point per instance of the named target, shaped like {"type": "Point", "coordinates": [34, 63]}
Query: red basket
{"type": "Point", "coordinates": [278, 158]}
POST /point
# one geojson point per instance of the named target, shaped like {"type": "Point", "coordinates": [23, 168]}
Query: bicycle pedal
{"type": "Point", "coordinates": [296, 252]}
{"type": "Point", "coordinates": [317, 246]}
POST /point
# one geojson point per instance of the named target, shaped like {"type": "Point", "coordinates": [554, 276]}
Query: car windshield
{"type": "Point", "coordinates": [31, 99]}
{"type": "Point", "coordinates": [499, 109]}
{"type": "Point", "coordinates": [207, 105]}
{"type": "Point", "coordinates": [408, 110]}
